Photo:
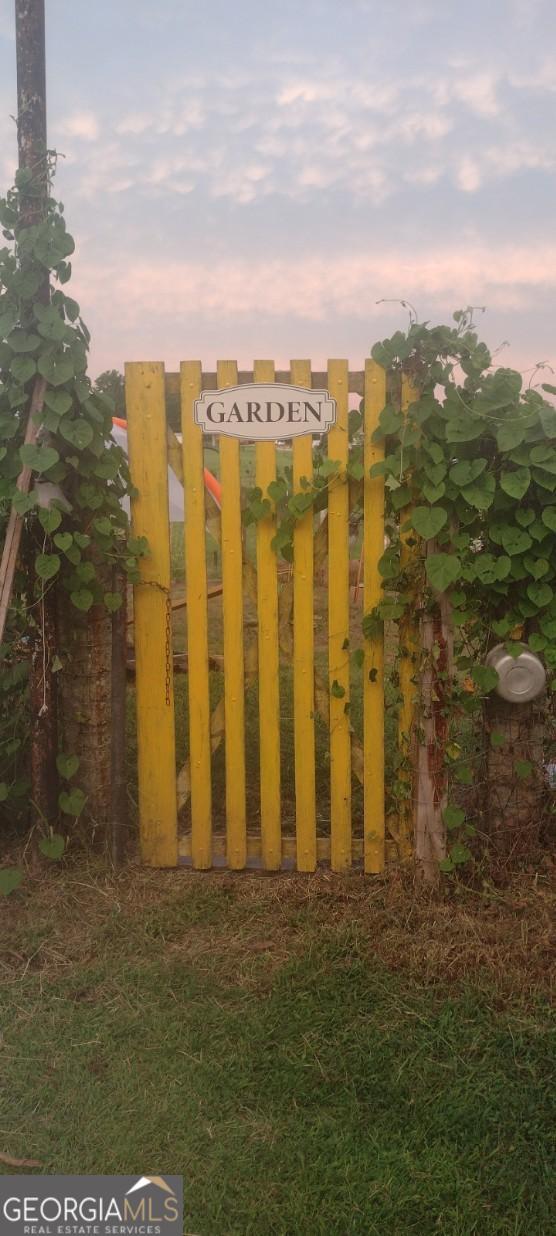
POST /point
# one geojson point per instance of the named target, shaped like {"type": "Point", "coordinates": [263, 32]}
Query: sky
{"type": "Point", "coordinates": [246, 180]}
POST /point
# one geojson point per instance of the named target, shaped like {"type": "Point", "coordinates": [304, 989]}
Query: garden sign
{"type": "Point", "coordinates": [265, 411]}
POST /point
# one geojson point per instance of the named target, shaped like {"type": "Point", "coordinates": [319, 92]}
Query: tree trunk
{"type": "Point", "coordinates": [432, 782]}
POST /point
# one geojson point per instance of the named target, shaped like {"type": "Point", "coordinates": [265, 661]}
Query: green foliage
{"type": "Point", "coordinates": [52, 847]}
{"type": "Point", "coordinates": [84, 531]}
{"type": "Point", "coordinates": [475, 444]}
{"type": "Point", "coordinates": [10, 879]}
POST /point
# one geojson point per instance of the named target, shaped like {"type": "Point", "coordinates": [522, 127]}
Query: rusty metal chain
{"type": "Point", "coordinates": [169, 656]}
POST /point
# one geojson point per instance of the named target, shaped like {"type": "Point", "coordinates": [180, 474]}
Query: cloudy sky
{"type": "Point", "coordinates": [248, 180]}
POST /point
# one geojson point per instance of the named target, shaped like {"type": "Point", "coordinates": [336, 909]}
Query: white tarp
{"type": "Point", "coordinates": [175, 489]}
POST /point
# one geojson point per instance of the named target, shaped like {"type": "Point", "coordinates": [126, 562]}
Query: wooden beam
{"type": "Point", "coordinates": [319, 380]}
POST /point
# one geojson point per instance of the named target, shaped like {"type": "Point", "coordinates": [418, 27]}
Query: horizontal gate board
{"type": "Point", "coordinates": [289, 850]}
{"type": "Point", "coordinates": [319, 380]}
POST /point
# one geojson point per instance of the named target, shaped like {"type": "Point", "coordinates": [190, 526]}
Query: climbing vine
{"type": "Point", "coordinates": [75, 526]}
{"type": "Point", "coordinates": [470, 482]}
{"type": "Point", "coordinates": [473, 461]}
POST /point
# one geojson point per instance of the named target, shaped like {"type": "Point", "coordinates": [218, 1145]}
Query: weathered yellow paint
{"type": "Point", "coordinates": [232, 598]}
{"type": "Point", "coordinates": [408, 635]}
{"type": "Point", "coordinates": [373, 665]}
{"type": "Point", "coordinates": [269, 658]}
{"type": "Point", "coordinates": [197, 620]}
{"type": "Point", "coordinates": [338, 625]}
{"type": "Point", "coordinates": [303, 650]}
{"type": "Point", "coordinates": [146, 418]}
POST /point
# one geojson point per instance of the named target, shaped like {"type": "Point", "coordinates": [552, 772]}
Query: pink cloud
{"type": "Point", "coordinates": [317, 287]}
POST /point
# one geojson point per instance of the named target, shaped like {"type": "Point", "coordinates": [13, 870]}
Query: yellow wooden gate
{"type": "Point", "coordinates": [152, 445]}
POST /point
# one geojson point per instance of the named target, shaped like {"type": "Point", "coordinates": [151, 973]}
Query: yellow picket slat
{"type": "Point", "coordinates": [197, 619]}
{"type": "Point", "coordinates": [373, 665]}
{"type": "Point", "coordinates": [269, 658]}
{"type": "Point", "coordinates": [232, 602]}
{"type": "Point", "coordinates": [156, 747]}
{"type": "Point", "coordinates": [408, 636]}
{"type": "Point", "coordinates": [303, 650]}
{"type": "Point", "coordinates": [338, 625]}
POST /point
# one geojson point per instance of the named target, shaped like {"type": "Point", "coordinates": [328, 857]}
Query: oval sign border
{"type": "Point", "coordinates": [260, 393]}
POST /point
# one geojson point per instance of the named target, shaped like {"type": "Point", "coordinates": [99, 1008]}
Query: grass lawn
{"type": "Point", "coordinates": [315, 1055]}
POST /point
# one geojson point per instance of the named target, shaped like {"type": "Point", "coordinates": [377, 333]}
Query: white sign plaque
{"type": "Point", "coordinates": [265, 411]}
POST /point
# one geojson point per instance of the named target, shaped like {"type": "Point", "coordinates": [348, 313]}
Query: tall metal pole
{"type": "Point", "coordinates": [31, 140]}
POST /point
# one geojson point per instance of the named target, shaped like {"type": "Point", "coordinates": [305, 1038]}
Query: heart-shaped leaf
{"type": "Point", "coordinates": [39, 458]}
{"type": "Point", "coordinates": [85, 572]}
{"type": "Point", "coordinates": [537, 530]}
{"type": "Point", "coordinates": [10, 879]}
{"type": "Point", "coordinates": [459, 853]}
{"type": "Point", "coordinates": [8, 320]}
{"type": "Point", "coordinates": [24, 502]}
{"type": "Point", "coordinates": [78, 432]}
{"type": "Point", "coordinates": [537, 567]}
{"type": "Point", "coordinates": [481, 493]}
{"type": "Point", "coordinates": [490, 569]}
{"type": "Point", "coordinates": [52, 325]}
{"type": "Point", "coordinates": [72, 802]}
{"type": "Point", "coordinates": [63, 540]}
{"type": "Point", "coordinates": [52, 847]}
{"type": "Point", "coordinates": [435, 472]}
{"type": "Point", "coordinates": [484, 676]}
{"type": "Point", "coordinates": [509, 436]}
{"type": "Point", "coordinates": [82, 599]}
{"type": "Point", "coordinates": [453, 816]}
{"type": "Point", "coordinates": [428, 520]}
{"type": "Point", "coordinates": [82, 539]}
{"type": "Point", "coordinates": [56, 368]}
{"type": "Point", "coordinates": [442, 570]}
{"type": "Point", "coordinates": [433, 493]}
{"type": "Point", "coordinates": [525, 517]}
{"type": "Point", "coordinates": [23, 341]}
{"type": "Point", "coordinates": [467, 471]}
{"type": "Point", "coordinates": [545, 479]}
{"type": "Point", "coordinates": [515, 540]}
{"type": "Point", "coordinates": [67, 765]}
{"type": "Point", "coordinates": [516, 483]}
{"type": "Point", "coordinates": [104, 526]}
{"type": "Point", "coordinates": [47, 565]}
{"type": "Point", "coordinates": [113, 601]}
{"type": "Point", "coordinates": [549, 517]}
{"type": "Point", "coordinates": [540, 594]}
{"type": "Point", "coordinates": [464, 430]}
{"type": "Point", "coordinates": [58, 401]}
{"type": "Point", "coordinates": [50, 518]}
{"type": "Point", "coordinates": [23, 368]}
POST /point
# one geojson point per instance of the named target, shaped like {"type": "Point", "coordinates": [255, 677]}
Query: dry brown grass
{"type": "Point", "coordinates": [248, 925]}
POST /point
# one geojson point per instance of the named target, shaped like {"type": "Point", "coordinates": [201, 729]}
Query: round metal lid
{"type": "Point", "coordinates": [520, 678]}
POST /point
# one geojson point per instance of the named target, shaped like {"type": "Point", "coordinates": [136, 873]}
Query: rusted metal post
{"type": "Point", "coordinates": [31, 140]}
